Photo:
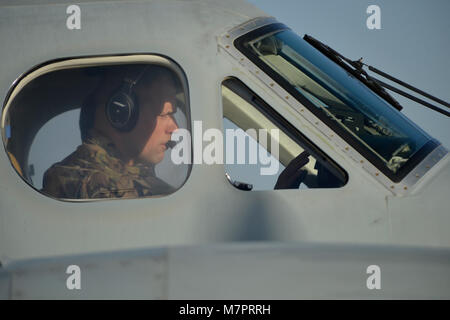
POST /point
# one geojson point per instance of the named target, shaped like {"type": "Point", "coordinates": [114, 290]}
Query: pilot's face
{"type": "Point", "coordinates": [161, 93]}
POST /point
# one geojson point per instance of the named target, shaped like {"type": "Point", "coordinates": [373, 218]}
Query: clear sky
{"type": "Point", "coordinates": [413, 43]}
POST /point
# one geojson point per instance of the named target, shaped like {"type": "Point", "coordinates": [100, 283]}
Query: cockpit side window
{"type": "Point", "coordinates": [282, 157]}
{"type": "Point", "coordinates": [90, 128]}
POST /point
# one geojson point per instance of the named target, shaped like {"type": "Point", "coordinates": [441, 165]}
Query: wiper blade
{"type": "Point", "coordinates": [356, 69]}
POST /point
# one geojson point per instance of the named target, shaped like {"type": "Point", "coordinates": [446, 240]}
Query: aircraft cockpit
{"type": "Point", "coordinates": [334, 93]}
{"type": "Point", "coordinates": [377, 129]}
{"type": "Point", "coordinates": [350, 112]}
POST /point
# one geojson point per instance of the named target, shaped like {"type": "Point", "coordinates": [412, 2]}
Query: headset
{"type": "Point", "coordinates": [122, 109]}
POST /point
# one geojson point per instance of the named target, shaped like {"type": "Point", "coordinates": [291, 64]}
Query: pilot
{"type": "Point", "coordinates": [126, 126]}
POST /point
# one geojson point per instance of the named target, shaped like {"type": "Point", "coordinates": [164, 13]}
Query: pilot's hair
{"type": "Point", "coordinates": [112, 79]}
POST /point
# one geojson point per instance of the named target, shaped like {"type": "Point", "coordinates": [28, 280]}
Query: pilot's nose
{"type": "Point", "coordinates": [173, 125]}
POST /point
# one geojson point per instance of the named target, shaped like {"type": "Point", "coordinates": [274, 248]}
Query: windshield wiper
{"type": "Point", "coordinates": [356, 69]}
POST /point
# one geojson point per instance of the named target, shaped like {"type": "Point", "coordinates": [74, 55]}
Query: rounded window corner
{"type": "Point", "coordinates": [99, 127]}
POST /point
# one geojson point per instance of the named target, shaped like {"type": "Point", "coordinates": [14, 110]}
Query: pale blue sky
{"type": "Point", "coordinates": [413, 43]}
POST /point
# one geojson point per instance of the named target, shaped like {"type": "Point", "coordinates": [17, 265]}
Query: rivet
{"type": "Point", "coordinates": [241, 28]}
{"type": "Point", "coordinates": [287, 97]}
{"type": "Point", "coordinates": [227, 46]}
{"type": "Point", "coordinates": [227, 36]}
{"type": "Point", "coordinates": [405, 188]}
{"type": "Point", "coordinates": [377, 174]}
{"type": "Point", "coordinates": [361, 161]}
{"type": "Point", "coordinates": [301, 110]}
{"type": "Point", "coordinates": [428, 167]}
{"type": "Point", "coordinates": [257, 71]}
{"type": "Point", "coordinates": [332, 135]}
{"type": "Point", "coordinates": [417, 175]}
{"type": "Point", "coordinates": [346, 148]}
{"type": "Point", "coordinates": [242, 59]}
{"type": "Point", "coordinates": [316, 123]}
{"type": "Point", "coordinates": [272, 84]}
{"type": "Point", "coordinates": [392, 187]}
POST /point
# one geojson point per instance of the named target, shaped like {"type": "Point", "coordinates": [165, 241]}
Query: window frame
{"type": "Point", "coordinates": [289, 129]}
{"type": "Point", "coordinates": [76, 62]}
{"type": "Point", "coordinates": [397, 177]}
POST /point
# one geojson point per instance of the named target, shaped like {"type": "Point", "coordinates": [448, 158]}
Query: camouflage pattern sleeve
{"type": "Point", "coordinates": [72, 183]}
{"type": "Point", "coordinates": [95, 171]}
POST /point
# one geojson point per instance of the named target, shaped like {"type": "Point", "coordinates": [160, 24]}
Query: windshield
{"type": "Point", "coordinates": [340, 99]}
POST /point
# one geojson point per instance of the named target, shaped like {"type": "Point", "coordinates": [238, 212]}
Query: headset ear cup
{"type": "Point", "coordinates": [122, 111]}
{"type": "Point", "coordinates": [134, 114]}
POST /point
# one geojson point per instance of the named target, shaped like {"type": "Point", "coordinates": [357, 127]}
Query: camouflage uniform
{"type": "Point", "coordinates": [95, 170]}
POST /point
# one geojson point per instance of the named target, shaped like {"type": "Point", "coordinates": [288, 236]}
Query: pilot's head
{"type": "Point", "coordinates": [142, 132]}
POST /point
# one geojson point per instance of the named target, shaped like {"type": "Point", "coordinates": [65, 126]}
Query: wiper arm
{"type": "Point", "coordinates": [356, 69]}
{"type": "Point", "coordinates": [410, 87]}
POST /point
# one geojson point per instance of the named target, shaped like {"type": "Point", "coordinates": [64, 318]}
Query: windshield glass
{"type": "Point", "coordinates": [338, 96]}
